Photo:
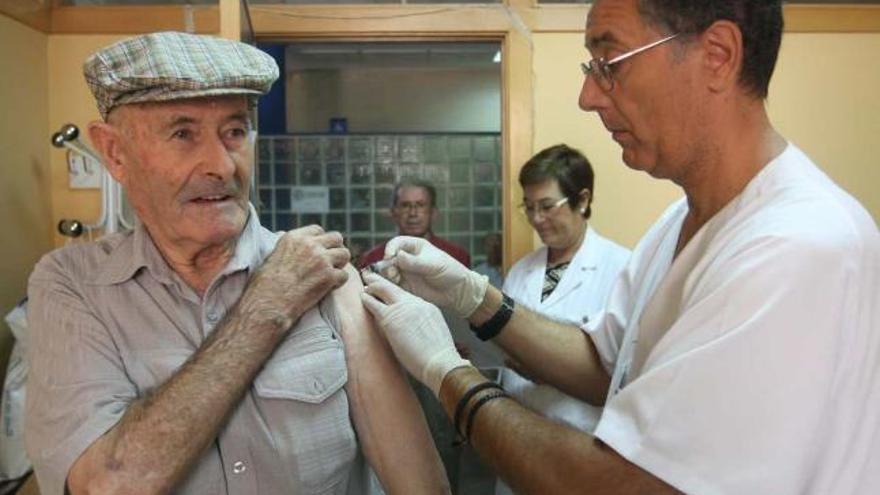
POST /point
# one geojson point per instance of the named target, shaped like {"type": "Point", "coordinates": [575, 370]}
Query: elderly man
{"type": "Point", "coordinates": [739, 350]}
{"type": "Point", "coordinates": [189, 356]}
{"type": "Point", "coordinates": [413, 208]}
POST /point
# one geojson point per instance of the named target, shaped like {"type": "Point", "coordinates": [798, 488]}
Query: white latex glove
{"type": "Point", "coordinates": [430, 273]}
{"type": "Point", "coordinates": [415, 329]}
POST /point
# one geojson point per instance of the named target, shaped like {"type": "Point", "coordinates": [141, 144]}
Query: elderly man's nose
{"type": "Point", "coordinates": [217, 159]}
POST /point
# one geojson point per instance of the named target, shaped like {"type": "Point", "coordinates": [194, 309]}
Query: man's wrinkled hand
{"type": "Point", "coordinates": [306, 264]}
{"type": "Point", "coordinates": [415, 329]}
{"type": "Point", "coordinates": [433, 275]}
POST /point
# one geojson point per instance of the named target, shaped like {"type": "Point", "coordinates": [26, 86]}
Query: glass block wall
{"type": "Point", "coordinates": [354, 174]}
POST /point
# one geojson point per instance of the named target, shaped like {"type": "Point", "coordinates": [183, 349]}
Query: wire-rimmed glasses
{"type": "Point", "coordinates": [542, 208]}
{"type": "Point", "coordinates": [417, 207]}
{"type": "Point", "coordinates": [600, 69]}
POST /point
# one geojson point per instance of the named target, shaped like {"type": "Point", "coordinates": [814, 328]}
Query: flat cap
{"type": "Point", "coordinates": [171, 66]}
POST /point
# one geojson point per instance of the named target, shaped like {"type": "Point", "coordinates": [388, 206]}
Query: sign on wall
{"type": "Point", "coordinates": [310, 199]}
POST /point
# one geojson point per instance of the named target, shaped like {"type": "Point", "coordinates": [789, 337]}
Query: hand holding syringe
{"type": "Point", "coordinates": [384, 268]}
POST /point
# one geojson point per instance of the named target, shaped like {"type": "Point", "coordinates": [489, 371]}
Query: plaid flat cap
{"type": "Point", "coordinates": [171, 66]}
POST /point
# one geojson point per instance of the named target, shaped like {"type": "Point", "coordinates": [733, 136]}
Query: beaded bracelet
{"type": "Point", "coordinates": [462, 403]}
{"type": "Point", "coordinates": [477, 405]}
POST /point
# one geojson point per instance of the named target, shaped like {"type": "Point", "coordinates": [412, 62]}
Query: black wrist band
{"type": "Point", "coordinates": [493, 326]}
{"type": "Point", "coordinates": [477, 405]}
{"type": "Point", "coordinates": [462, 403]}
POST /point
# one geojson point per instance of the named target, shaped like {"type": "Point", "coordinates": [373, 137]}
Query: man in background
{"type": "Point", "coordinates": [413, 208]}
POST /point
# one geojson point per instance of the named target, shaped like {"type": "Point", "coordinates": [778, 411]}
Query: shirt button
{"type": "Point", "coordinates": [213, 316]}
{"type": "Point", "coordinates": [238, 467]}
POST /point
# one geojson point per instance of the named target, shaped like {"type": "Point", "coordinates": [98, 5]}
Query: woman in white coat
{"type": "Point", "coordinates": [570, 277]}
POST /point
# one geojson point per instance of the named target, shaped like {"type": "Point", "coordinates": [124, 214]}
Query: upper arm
{"type": "Point", "coordinates": [366, 350]}
{"type": "Point", "coordinates": [77, 385]}
{"type": "Point", "coordinates": [387, 417]}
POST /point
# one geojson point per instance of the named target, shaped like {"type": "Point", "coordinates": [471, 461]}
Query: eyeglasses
{"type": "Point", "coordinates": [542, 208]}
{"type": "Point", "coordinates": [418, 207]}
{"type": "Point", "coordinates": [601, 69]}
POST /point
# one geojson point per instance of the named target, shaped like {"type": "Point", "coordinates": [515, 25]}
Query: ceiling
{"type": "Point", "coordinates": [304, 56]}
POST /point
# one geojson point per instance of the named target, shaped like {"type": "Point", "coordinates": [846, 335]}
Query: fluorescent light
{"type": "Point", "coordinates": [326, 50]}
{"type": "Point", "coordinates": [497, 58]}
{"type": "Point", "coordinates": [394, 50]}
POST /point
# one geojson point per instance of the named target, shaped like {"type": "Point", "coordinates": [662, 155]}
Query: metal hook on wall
{"type": "Point", "coordinates": [111, 219]}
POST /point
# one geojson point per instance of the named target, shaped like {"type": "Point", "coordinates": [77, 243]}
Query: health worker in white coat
{"type": "Point", "coordinates": [740, 349]}
{"type": "Point", "coordinates": [569, 278]}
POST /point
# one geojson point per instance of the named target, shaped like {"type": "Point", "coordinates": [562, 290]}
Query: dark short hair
{"type": "Point", "coordinates": [427, 186]}
{"type": "Point", "coordinates": [760, 22]}
{"type": "Point", "coordinates": [567, 166]}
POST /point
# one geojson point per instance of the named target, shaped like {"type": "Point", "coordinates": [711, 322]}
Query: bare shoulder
{"type": "Point", "coordinates": [343, 306]}
{"type": "Point", "coordinates": [347, 297]}
{"type": "Point", "coordinates": [353, 285]}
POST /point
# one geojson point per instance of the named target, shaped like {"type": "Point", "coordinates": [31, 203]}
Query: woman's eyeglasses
{"type": "Point", "coordinates": [543, 207]}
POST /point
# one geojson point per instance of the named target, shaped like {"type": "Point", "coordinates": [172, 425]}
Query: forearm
{"type": "Point", "coordinates": [536, 455]}
{"type": "Point", "coordinates": [389, 421]}
{"type": "Point", "coordinates": [556, 353]}
{"type": "Point", "coordinates": [161, 436]}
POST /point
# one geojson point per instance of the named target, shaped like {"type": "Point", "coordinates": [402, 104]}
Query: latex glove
{"type": "Point", "coordinates": [415, 329]}
{"type": "Point", "coordinates": [430, 273]}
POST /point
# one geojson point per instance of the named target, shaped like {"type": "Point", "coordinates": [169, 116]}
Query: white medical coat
{"type": "Point", "coordinates": [754, 358]}
{"type": "Point", "coordinates": [579, 297]}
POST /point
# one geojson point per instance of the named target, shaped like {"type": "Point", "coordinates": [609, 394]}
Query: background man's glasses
{"type": "Point", "coordinates": [542, 208]}
{"type": "Point", "coordinates": [601, 70]}
{"type": "Point", "coordinates": [417, 207]}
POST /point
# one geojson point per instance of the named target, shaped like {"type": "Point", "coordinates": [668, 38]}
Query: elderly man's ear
{"type": "Point", "coordinates": [107, 140]}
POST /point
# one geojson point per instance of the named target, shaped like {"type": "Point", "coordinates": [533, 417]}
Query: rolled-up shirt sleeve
{"type": "Point", "coordinates": [608, 328]}
{"type": "Point", "coordinates": [77, 385]}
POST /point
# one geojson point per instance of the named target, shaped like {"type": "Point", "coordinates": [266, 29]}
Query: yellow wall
{"type": "Point", "coordinates": [25, 199]}
{"type": "Point", "coordinates": [70, 101]}
{"type": "Point", "coordinates": [825, 97]}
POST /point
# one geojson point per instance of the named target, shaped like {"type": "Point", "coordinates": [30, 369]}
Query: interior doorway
{"type": "Point", "coordinates": [349, 119]}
